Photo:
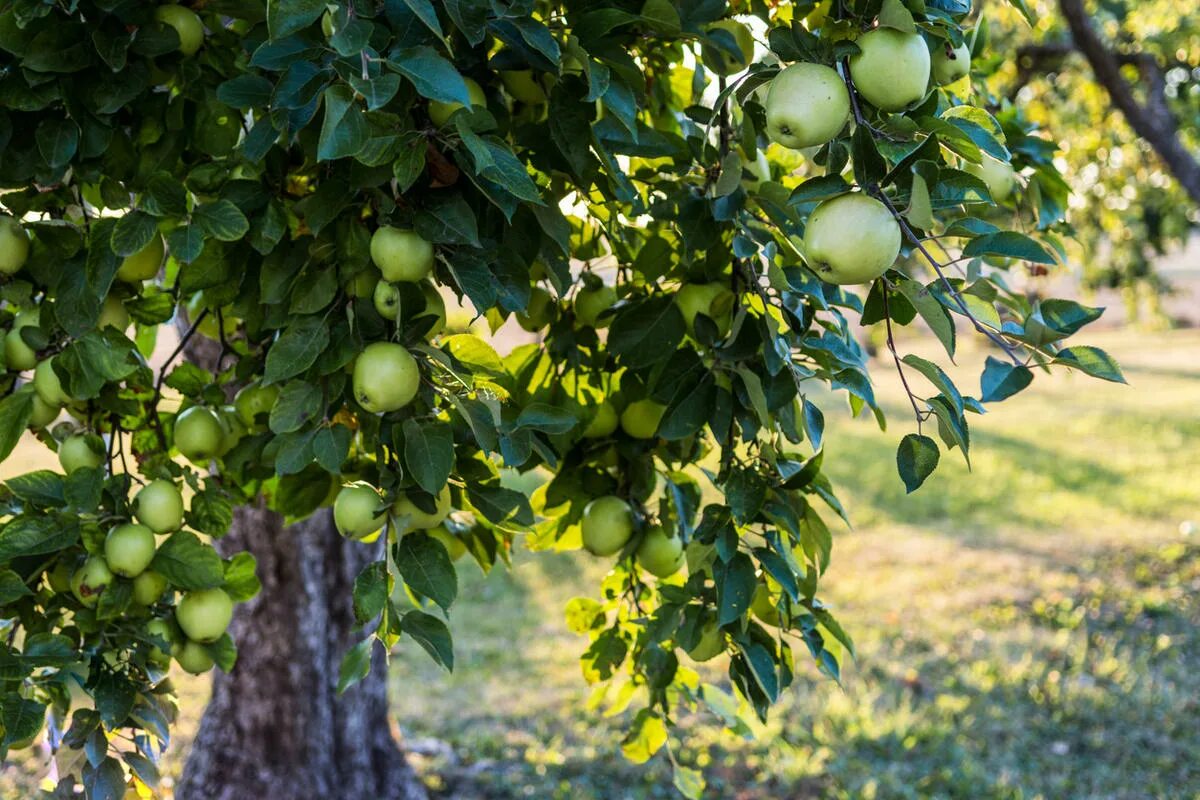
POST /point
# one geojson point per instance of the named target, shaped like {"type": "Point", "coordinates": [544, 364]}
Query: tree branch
{"type": "Point", "coordinates": [1152, 120]}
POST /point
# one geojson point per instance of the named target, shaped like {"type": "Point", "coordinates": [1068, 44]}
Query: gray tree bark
{"type": "Point", "coordinates": [275, 727]}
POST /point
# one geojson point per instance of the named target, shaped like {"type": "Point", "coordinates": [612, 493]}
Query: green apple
{"type": "Point", "coordinates": [198, 434]}
{"type": "Point", "coordinates": [718, 58]}
{"type": "Point", "coordinates": [641, 418]}
{"type": "Point", "coordinates": [129, 549]}
{"type": "Point", "coordinates": [90, 580]}
{"type": "Point", "coordinates": [48, 386]}
{"type": "Point", "coordinates": [18, 355]}
{"type": "Point", "coordinates": [659, 553]}
{"type": "Point", "coordinates": [14, 245]}
{"type": "Point", "coordinates": [208, 326]}
{"type": "Point", "coordinates": [148, 587]}
{"type": "Point", "coordinates": [711, 644]}
{"type": "Point", "coordinates": [159, 506]}
{"type": "Point", "coordinates": [999, 176]}
{"type": "Point", "coordinates": [540, 311]}
{"type": "Point", "coordinates": [43, 414]}
{"type": "Point", "coordinates": [144, 264]}
{"type": "Point", "coordinates": [411, 518]}
{"type": "Point", "coordinates": [713, 300]}
{"type": "Point", "coordinates": [254, 403]}
{"type": "Point", "coordinates": [113, 314]}
{"type": "Point", "coordinates": [762, 605]}
{"type": "Point", "coordinates": [186, 24]}
{"type": "Point", "coordinates": [193, 657]}
{"type": "Point", "coordinates": [950, 63]}
{"type": "Point", "coordinates": [158, 630]}
{"type": "Point", "coordinates": [892, 68]}
{"type": "Point", "coordinates": [401, 254]}
{"type": "Point", "coordinates": [386, 377]}
{"type": "Point", "coordinates": [523, 85]}
{"type": "Point", "coordinates": [363, 284]}
{"type": "Point", "coordinates": [58, 577]}
{"type": "Point", "coordinates": [604, 421]}
{"type": "Point", "coordinates": [232, 428]}
{"type": "Point", "coordinates": [440, 112]}
{"type": "Point", "coordinates": [807, 105]}
{"type": "Point", "coordinates": [358, 511]}
{"type": "Point", "coordinates": [591, 303]}
{"type": "Point", "coordinates": [204, 615]}
{"type": "Point", "coordinates": [456, 548]}
{"type": "Point", "coordinates": [435, 306]}
{"type": "Point", "coordinates": [852, 238]}
{"type": "Point", "coordinates": [386, 298]}
{"type": "Point", "coordinates": [81, 450]}
{"type": "Point", "coordinates": [607, 525]}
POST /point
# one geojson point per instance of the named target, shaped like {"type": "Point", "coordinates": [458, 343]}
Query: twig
{"type": "Point", "coordinates": [891, 344]}
{"type": "Point", "coordinates": [162, 375]}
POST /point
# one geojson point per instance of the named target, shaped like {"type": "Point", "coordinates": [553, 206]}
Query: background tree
{"type": "Point", "coordinates": [309, 184]}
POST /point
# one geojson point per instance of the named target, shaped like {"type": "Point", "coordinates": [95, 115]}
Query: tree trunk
{"type": "Point", "coordinates": [275, 727]}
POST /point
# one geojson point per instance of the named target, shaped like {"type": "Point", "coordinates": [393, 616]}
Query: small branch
{"type": "Point", "coordinates": [162, 376]}
{"type": "Point", "coordinates": [891, 344]}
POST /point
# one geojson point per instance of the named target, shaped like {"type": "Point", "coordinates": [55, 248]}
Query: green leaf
{"type": "Point", "coordinates": [37, 535]}
{"type": "Point", "coordinates": [447, 219]}
{"type": "Point", "coordinates": [917, 458]}
{"type": "Point", "coordinates": [22, 717]}
{"type": "Point", "coordinates": [343, 131]}
{"type": "Point", "coordinates": [222, 220]}
{"type": "Point", "coordinates": [356, 664]}
{"type": "Point", "coordinates": [496, 161]}
{"type": "Point", "coordinates": [12, 587]}
{"type": "Point", "coordinates": [370, 592]}
{"type": "Point", "coordinates": [432, 634]}
{"type": "Point", "coordinates": [1093, 361]}
{"type": "Point", "coordinates": [15, 411]}
{"type": "Point", "coordinates": [938, 378]}
{"type": "Point", "coordinates": [895, 15]}
{"type": "Point", "coordinates": [500, 505]}
{"type": "Point", "coordinates": [646, 332]}
{"type": "Point", "coordinates": [919, 211]}
{"type": "Point", "coordinates": [93, 360]}
{"type": "Point", "coordinates": [115, 694]}
{"type": "Point", "coordinates": [426, 567]}
{"type": "Point", "coordinates": [546, 418]}
{"type": "Point", "coordinates": [1008, 244]}
{"type": "Point", "coordinates": [133, 232]}
{"type": "Point", "coordinates": [688, 782]}
{"type": "Point", "coordinates": [433, 76]}
{"type": "Point", "coordinates": [427, 14]}
{"type": "Point", "coordinates": [428, 453]}
{"type": "Point", "coordinates": [736, 583]}
{"type": "Point", "coordinates": [241, 578]}
{"type": "Point", "coordinates": [296, 349]}
{"type": "Point", "coordinates": [648, 735]}
{"type": "Point", "coordinates": [188, 563]}
{"type": "Point", "coordinates": [932, 312]}
{"type": "Point", "coordinates": [57, 140]}
{"type": "Point", "coordinates": [285, 17]}
{"type": "Point", "coordinates": [299, 403]}
{"type": "Point", "coordinates": [1001, 380]}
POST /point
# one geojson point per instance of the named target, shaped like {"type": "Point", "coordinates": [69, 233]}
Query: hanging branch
{"type": "Point", "coordinates": [162, 376]}
{"type": "Point", "coordinates": [891, 345]}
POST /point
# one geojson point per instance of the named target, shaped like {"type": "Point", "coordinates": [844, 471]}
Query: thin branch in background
{"type": "Point", "coordinates": [162, 376]}
{"type": "Point", "coordinates": [891, 344]}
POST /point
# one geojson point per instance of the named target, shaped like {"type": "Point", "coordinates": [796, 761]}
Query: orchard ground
{"type": "Point", "coordinates": [1025, 631]}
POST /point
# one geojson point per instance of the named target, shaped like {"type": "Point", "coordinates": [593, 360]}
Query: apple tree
{"type": "Point", "coordinates": [694, 206]}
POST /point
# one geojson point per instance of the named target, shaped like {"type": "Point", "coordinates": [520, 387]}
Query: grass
{"type": "Point", "coordinates": [1027, 629]}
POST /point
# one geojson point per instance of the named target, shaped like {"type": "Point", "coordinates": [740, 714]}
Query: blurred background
{"type": "Point", "coordinates": [1026, 628]}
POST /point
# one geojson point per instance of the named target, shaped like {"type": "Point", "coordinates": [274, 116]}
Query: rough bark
{"type": "Point", "coordinates": [1152, 120]}
{"type": "Point", "coordinates": [275, 727]}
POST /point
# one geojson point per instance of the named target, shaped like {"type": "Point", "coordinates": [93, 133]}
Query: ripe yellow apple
{"type": "Point", "coordinates": [659, 553]}
{"type": "Point", "coordinates": [999, 176]}
{"type": "Point", "coordinates": [358, 511]}
{"type": "Point", "coordinates": [48, 386]}
{"type": "Point", "coordinates": [159, 506]}
{"type": "Point", "coordinates": [253, 403]}
{"type": "Point", "coordinates": [711, 644]}
{"type": "Point", "coordinates": [14, 245]}
{"type": "Point", "coordinates": [523, 85]}
{"type": "Point", "coordinates": [148, 587]}
{"type": "Point", "coordinates": [410, 518]}
{"type": "Point", "coordinates": [90, 580]}
{"type": "Point", "coordinates": [193, 657]}
{"type": "Point", "coordinates": [852, 238]}
{"type": "Point", "coordinates": [129, 549]}
{"type": "Point", "coordinates": [950, 63]}
{"type": "Point", "coordinates": [540, 311]}
{"type": "Point", "coordinates": [456, 548]}
{"type": "Point", "coordinates": [386, 377]}
{"type": "Point", "coordinates": [607, 525]}
{"type": "Point", "coordinates": [807, 105]}
{"type": "Point", "coordinates": [203, 615]}
{"type": "Point", "coordinates": [641, 418]}
{"type": "Point", "coordinates": [401, 254]}
{"type": "Point", "coordinates": [603, 422]}
{"type": "Point", "coordinates": [17, 354]}
{"type": "Point", "coordinates": [145, 263]}
{"type": "Point", "coordinates": [719, 59]}
{"type": "Point", "coordinates": [892, 69]}
{"type": "Point", "coordinates": [713, 300]}
{"type": "Point", "coordinates": [81, 450]}
{"type": "Point", "coordinates": [591, 303]}
{"type": "Point", "coordinates": [186, 24]}
{"type": "Point", "coordinates": [440, 113]}
{"type": "Point", "coordinates": [198, 434]}
{"type": "Point", "coordinates": [113, 314]}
